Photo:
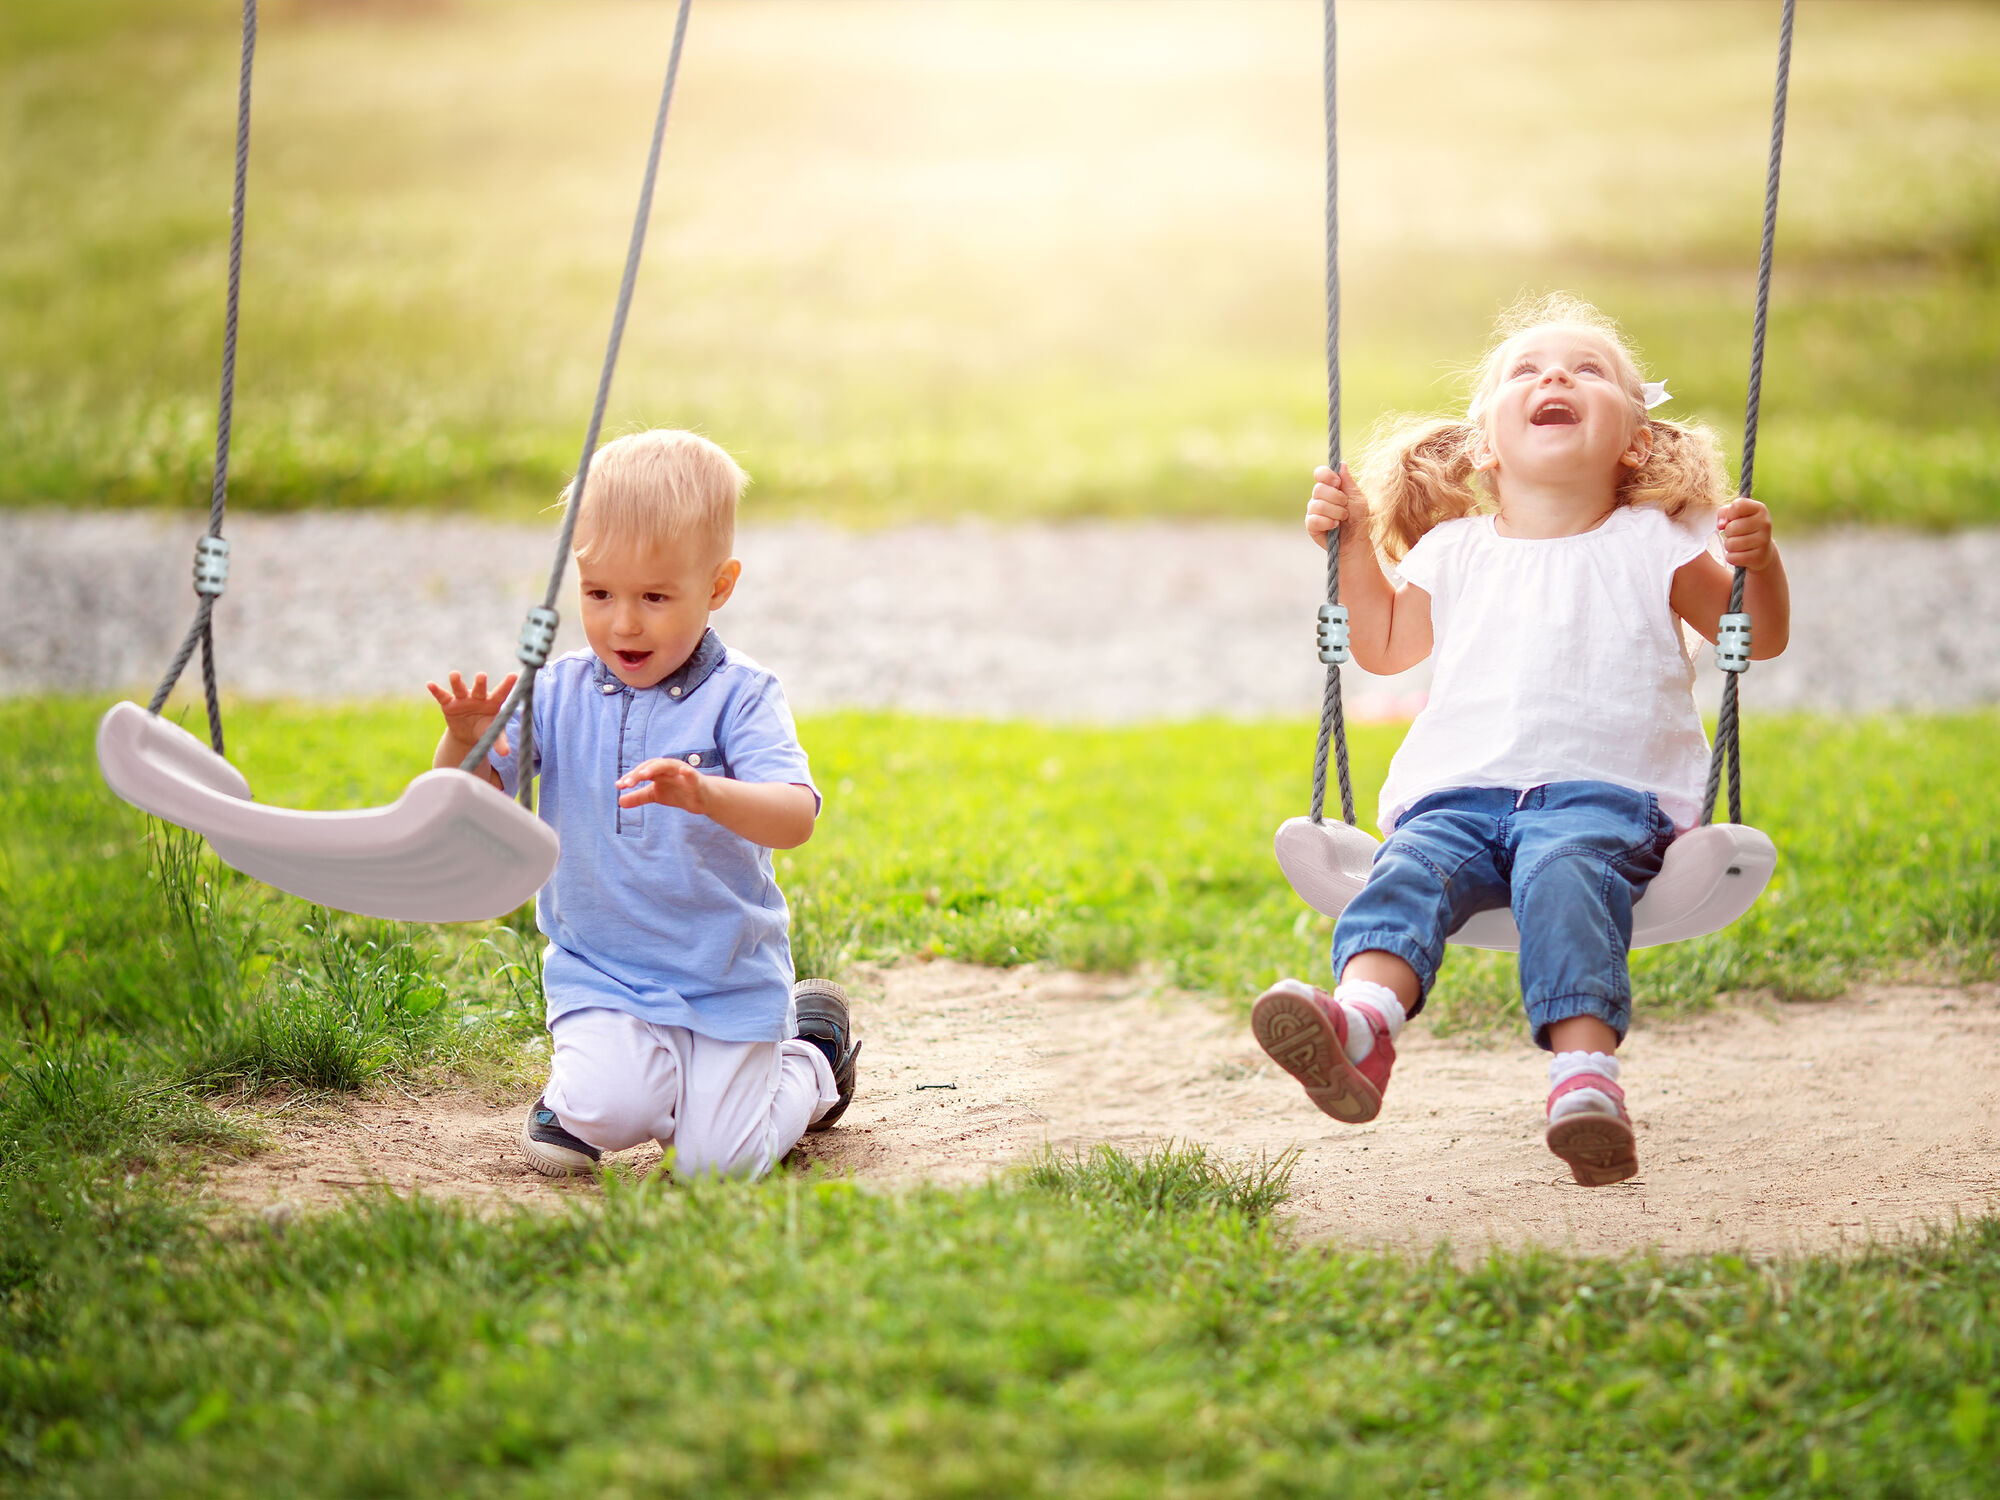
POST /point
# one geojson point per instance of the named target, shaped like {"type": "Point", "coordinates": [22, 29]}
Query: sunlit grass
{"type": "Point", "coordinates": [1029, 260]}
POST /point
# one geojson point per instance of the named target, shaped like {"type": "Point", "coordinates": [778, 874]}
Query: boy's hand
{"type": "Point", "coordinates": [671, 783]}
{"type": "Point", "coordinates": [467, 711]}
{"type": "Point", "coordinates": [1745, 527]}
{"type": "Point", "coordinates": [1336, 501]}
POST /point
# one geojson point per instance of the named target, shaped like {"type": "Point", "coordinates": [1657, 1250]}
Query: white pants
{"type": "Point", "coordinates": [733, 1108]}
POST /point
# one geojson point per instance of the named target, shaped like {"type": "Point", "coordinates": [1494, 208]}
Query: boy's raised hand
{"type": "Point", "coordinates": [1336, 501]}
{"type": "Point", "coordinates": [1745, 528]}
{"type": "Point", "coordinates": [467, 711]}
{"type": "Point", "coordinates": [671, 783]}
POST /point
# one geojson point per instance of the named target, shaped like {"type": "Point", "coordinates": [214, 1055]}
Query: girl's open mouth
{"type": "Point", "coordinates": [1553, 414]}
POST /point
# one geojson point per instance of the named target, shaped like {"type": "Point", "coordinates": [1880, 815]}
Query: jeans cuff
{"type": "Point", "coordinates": [1544, 1013]}
{"type": "Point", "coordinates": [1401, 944]}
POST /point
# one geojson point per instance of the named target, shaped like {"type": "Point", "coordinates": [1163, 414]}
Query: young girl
{"type": "Point", "coordinates": [1549, 546]}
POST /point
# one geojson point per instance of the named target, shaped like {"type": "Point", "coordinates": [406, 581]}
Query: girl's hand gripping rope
{"type": "Point", "coordinates": [1336, 501]}
{"type": "Point", "coordinates": [467, 711]}
{"type": "Point", "coordinates": [1745, 528]}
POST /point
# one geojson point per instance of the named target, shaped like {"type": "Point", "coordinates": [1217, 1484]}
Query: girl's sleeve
{"type": "Point", "coordinates": [1424, 563]}
{"type": "Point", "coordinates": [1686, 538]}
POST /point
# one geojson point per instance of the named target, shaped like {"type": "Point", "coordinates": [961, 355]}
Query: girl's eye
{"type": "Point", "coordinates": [1590, 367]}
{"type": "Point", "coordinates": [1525, 367]}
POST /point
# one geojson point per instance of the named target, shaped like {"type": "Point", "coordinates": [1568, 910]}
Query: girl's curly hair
{"type": "Point", "coordinates": [1418, 471]}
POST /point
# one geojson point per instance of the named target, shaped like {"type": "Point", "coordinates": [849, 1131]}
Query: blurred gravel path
{"type": "Point", "coordinates": [1092, 621]}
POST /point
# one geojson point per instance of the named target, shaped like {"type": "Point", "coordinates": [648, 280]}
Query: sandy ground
{"type": "Point", "coordinates": [1769, 1128]}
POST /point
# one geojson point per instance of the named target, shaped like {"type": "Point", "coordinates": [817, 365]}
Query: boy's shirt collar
{"type": "Point", "coordinates": [678, 684]}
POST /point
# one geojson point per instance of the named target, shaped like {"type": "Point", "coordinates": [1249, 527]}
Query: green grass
{"type": "Point", "coordinates": [1108, 1328]}
{"type": "Point", "coordinates": [1092, 1325]}
{"type": "Point", "coordinates": [1034, 260]}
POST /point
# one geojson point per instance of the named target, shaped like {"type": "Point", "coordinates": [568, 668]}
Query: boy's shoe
{"type": "Point", "coordinates": [1305, 1031]}
{"type": "Point", "coordinates": [552, 1150]}
{"type": "Point", "coordinates": [823, 1021]}
{"type": "Point", "coordinates": [1596, 1141]}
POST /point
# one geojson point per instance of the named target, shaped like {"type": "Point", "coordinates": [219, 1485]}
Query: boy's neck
{"type": "Point", "coordinates": [1537, 510]}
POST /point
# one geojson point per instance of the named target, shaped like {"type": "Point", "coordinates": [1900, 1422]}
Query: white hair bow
{"type": "Point", "coordinates": [1654, 393]}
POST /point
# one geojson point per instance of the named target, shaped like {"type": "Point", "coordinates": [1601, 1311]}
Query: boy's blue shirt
{"type": "Point", "coordinates": [655, 911]}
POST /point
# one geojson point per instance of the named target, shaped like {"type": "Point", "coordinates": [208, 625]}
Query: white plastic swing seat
{"type": "Point", "coordinates": [452, 848]}
{"type": "Point", "coordinates": [1711, 876]}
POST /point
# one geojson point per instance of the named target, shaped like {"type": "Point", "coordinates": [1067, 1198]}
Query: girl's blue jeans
{"type": "Point", "coordinates": [1569, 859]}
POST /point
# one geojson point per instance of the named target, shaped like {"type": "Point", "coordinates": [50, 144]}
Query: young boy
{"type": "Point", "coordinates": [670, 768]}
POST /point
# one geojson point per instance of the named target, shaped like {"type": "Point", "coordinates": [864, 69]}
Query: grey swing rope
{"type": "Point", "coordinates": [1732, 642]}
{"type": "Point", "coordinates": [538, 631]}
{"type": "Point", "coordinates": [1333, 648]}
{"type": "Point", "coordinates": [211, 553]}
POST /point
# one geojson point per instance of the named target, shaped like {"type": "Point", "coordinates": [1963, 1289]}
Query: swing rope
{"type": "Point", "coordinates": [538, 631]}
{"type": "Point", "coordinates": [1333, 618]}
{"type": "Point", "coordinates": [211, 553]}
{"type": "Point", "coordinates": [1728, 741]}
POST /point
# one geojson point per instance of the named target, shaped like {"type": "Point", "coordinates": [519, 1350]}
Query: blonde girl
{"type": "Point", "coordinates": [1550, 546]}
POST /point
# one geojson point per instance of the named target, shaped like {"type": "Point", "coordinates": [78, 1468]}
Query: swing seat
{"type": "Point", "coordinates": [452, 848]}
{"type": "Point", "coordinates": [1711, 876]}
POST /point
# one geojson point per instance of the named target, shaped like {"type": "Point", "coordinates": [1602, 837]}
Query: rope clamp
{"type": "Point", "coordinates": [211, 566]}
{"type": "Point", "coordinates": [1732, 643]}
{"type": "Point", "coordinates": [538, 636]}
{"type": "Point", "coordinates": [1333, 634]}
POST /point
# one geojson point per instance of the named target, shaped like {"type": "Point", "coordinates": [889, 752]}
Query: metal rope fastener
{"type": "Point", "coordinates": [211, 566]}
{"type": "Point", "coordinates": [1732, 643]}
{"type": "Point", "coordinates": [538, 636]}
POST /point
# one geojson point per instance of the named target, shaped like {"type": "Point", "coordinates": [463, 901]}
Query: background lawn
{"type": "Point", "coordinates": [1092, 1327]}
{"type": "Point", "coordinates": [1029, 260]}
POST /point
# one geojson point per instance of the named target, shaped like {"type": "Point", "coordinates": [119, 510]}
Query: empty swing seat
{"type": "Point", "coordinates": [452, 848]}
{"type": "Point", "coordinates": [1712, 875]}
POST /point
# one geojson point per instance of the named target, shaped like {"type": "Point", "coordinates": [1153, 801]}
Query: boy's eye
{"type": "Point", "coordinates": [656, 598]}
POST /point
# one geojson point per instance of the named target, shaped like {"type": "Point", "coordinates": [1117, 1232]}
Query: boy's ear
{"type": "Point", "coordinates": [725, 583]}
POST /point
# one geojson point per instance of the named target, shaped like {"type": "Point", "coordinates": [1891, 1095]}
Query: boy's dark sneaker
{"type": "Point", "coordinates": [552, 1150]}
{"type": "Point", "coordinates": [823, 1021]}
{"type": "Point", "coordinates": [1593, 1134]}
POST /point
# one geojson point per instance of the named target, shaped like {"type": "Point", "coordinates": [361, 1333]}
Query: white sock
{"type": "Point", "coordinates": [1382, 1000]}
{"type": "Point", "coordinates": [1566, 1065]}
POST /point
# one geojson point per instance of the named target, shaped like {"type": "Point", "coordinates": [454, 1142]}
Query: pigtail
{"type": "Point", "coordinates": [1682, 472]}
{"type": "Point", "coordinates": [1417, 473]}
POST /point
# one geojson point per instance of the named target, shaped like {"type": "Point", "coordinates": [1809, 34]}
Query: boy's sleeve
{"type": "Point", "coordinates": [505, 765]}
{"type": "Point", "coordinates": [761, 743]}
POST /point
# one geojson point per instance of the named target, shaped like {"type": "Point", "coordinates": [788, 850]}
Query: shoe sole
{"type": "Point", "coordinates": [554, 1161]}
{"type": "Point", "coordinates": [827, 1120]}
{"type": "Point", "coordinates": [1600, 1149]}
{"type": "Point", "coordinates": [1299, 1038]}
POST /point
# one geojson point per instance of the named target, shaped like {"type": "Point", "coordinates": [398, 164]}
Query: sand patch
{"type": "Point", "coordinates": [1771, 1128]}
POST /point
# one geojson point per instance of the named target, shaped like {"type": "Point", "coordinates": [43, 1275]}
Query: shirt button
{"type": "Point", "coordinates": [673, 692]}
{"type": "Point", "coordinates": [694, 758]}
{"type": "Point", "coordinates": [608, 688]}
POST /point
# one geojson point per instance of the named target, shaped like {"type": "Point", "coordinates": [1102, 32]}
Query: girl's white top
{"type": "Point", "coordinates": [1556, 659]}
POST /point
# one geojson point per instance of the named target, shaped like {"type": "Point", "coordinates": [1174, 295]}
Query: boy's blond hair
{"type": "Point", "coordinates": [1418, 471]}
{"type": "Point", "coordinates": [666, 487]}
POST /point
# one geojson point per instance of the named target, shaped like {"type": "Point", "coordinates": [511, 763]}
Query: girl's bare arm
{"type": "Point", "coordinates": [1389, 627]}
{"type": "Point", "coordinates": [1700, 594]}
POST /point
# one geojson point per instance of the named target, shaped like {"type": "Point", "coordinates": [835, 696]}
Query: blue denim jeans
{"type": "Point", "coordinates": [1569, 859]}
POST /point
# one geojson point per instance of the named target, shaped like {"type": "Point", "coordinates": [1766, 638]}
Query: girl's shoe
{"type": "Point", "coordinates": [1305, 1031]}
{"type": "Point", "coordinates": [823, 1021]}
{"type": "Point", "coordinates": [1594, 1139]}
{"type": "Point", "coordinates": [552, 1150]}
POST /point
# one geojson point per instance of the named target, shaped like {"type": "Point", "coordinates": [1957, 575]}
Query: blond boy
{"type": "Point", "coordinates": [670, 768]}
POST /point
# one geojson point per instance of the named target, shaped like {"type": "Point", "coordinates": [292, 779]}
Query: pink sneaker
{"type": "Point", "coordinates": [1598, 1145]}
{"type": "Point", "coordinates": [1305, 1031]}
